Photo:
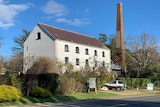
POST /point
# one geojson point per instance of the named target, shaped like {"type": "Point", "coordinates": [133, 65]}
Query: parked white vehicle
{"type": "Point", "coordinates": [115, 84]}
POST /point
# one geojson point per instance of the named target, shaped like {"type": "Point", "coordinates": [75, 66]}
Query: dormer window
{"type": "Point", "coordinates": [38, 36]}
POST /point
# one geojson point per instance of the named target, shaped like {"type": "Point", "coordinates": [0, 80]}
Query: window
{"type": "Point", "coordinates": [96, 64]}
{"type": "Point", "coordinates": [95, 53]}
{"type": "Point", "coordinates": [103, 54]}
{"type": "Point", "coordinates": [27, 48]}
{"type": "Point", "coordinates": [103, 64]}
{"type": "Point", "coordinates": [86, 52]}
{"type": "Point", "coordinates": [66, 48]}
{"type": "Point", "coordinates": [87, 62]}
{"type": "Point", "coordinates": [77, 61]}
{"type": "Point", "coordinates": [38, 36]}
{"type": "Point", "coordinates": [77, 49]}
{"type": "Point", "coordinates": [66, 60]}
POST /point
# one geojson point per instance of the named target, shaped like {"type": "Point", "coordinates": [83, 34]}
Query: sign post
{"type": "Point", "coordinates": [92, 84]}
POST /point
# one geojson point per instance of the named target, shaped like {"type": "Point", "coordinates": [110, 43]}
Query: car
{"type": "Point", "coordinates": [115, 84]}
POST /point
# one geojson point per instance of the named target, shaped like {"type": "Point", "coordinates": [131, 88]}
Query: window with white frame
{"type": "Point", "coordinates": [86, 51]}
{"type": "Point", "coordinates": [87, 62]}
{"type": "Point", "coordinates": [103, 54]}
{"type": "Point", "coordinates": [103, 64]}
{"type": "Point", "coordinates": [66, 48]}
{"type": "Point", "coordinates": [66, 60]}
{"type": "Point", "coordinates": [77, 61]}
{"type": "Point", "coordinates": [77, 49]}
{"type": "Point", "coordinates": [96, 63]}
{"type": "Point", "coordinates": [95, 52]}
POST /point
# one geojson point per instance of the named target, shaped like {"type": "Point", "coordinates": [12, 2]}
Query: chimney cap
{"type": "Point", "coordinates": [119, 4]}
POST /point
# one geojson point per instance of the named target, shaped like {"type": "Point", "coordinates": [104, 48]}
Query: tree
{"type": "Point", "coordinates": [110, 43]}
{"type": "Point", "coordinates": [20, 40]}
{"type": "Point", "coordinates": [16, 62]}
{"type": "Point", "coordinates": [112, 46]}
{"type": "Point", "coordinates": [143, 53]}
{"type": "Point", "coordinates": [102, 38]}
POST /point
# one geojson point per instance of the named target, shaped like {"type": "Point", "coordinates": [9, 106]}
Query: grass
{"type": "Point", "coordinates": [82, 96]}
{"type": "Point", "coordinates": [61, 98]}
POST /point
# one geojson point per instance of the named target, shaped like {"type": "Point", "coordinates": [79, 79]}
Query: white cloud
{"type": "Point", "coordinates": [9, 12]}
{"type": "Point", "coordinates": [58, 11]}
{"type": "Point", "coordinates": [54, 8]}
{"type": "Point", "coordinates": [74, 22]}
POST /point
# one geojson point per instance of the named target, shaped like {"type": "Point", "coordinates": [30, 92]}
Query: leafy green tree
{"type": "Point", "coordinates": [102, 38]}
{"type": "Point", "coordinates": [112, 45]}
{"type": "Point", "coordinates": [155, 74]}
{"type": "Point", "coordinates": [110, 42]}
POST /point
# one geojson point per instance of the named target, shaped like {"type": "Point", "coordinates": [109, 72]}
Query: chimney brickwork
{"type": "Point", "coordinates": [120, 47]}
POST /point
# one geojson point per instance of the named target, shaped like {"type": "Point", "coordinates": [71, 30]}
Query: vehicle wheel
{"type": "Point", "coordinates": [119, 88]}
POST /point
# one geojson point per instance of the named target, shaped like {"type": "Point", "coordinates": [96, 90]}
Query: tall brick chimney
{"type": "Point", "coordinates": [120, 48]}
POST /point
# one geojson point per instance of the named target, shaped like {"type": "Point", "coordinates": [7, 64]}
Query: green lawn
{"type": "Point", "coordinates": [61, 98]}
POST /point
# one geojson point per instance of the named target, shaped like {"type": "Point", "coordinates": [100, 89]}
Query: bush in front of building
{"type": "Point", "coordinates": [48, 81]}
{"type": "Point", "coordinates": [71, 82]}
{"type": "Point", "coordinates": [39, 92]}
{"type": "Point", "coordinates": [9, 93]}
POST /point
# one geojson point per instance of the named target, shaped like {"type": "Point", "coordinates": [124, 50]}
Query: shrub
{"type": "Point", "coordinates": [71, 82]}
{"type": "Point", "coordinates": [43, 65]}
{"type": "Point", "coordinates": [40, 93]}
{"type": "Point", "coordinates": [9, 93]}
{"type": "Point", "coordinates": [136, 82]}
{"type": "Point", "coordinates": [48, 81]}
{"type": "Point", "coordinates": [12, 79]}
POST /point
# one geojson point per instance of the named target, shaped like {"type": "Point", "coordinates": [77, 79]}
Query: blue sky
{"type": "Point", "coordinates": [90, 17]}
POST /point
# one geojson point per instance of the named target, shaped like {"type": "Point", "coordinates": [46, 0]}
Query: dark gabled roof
{"type": "Point", "coordinates": [58, 33]}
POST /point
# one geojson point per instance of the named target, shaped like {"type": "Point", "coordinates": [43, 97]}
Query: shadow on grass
{"type": "Point", "coordinates": [60, 98]}
{"type": "Point", "coordinates": [32, 100]}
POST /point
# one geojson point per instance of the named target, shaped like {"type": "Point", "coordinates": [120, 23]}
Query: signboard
{"type": "Point", "coordinates": [150, 86]}
{"type": "Point", "coordinates": [92, 82]}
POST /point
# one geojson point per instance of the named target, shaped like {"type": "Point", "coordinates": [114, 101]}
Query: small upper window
{"type": "Point", "coordinates": [38, 36]}
{"type": "Point", "coordinates": [103, 54]}
{"type": "Point", "coordinates": [95, 53]}
{"type": "Point", "coordinates": [77, 49]}
{"type": "Point", "coordinates": [66, 48]}
{"type": "Point", "coordinates": [86, 52]}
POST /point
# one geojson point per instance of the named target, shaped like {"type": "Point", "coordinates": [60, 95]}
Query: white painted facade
{"type": "Point", "coordinates": [46, 45]}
